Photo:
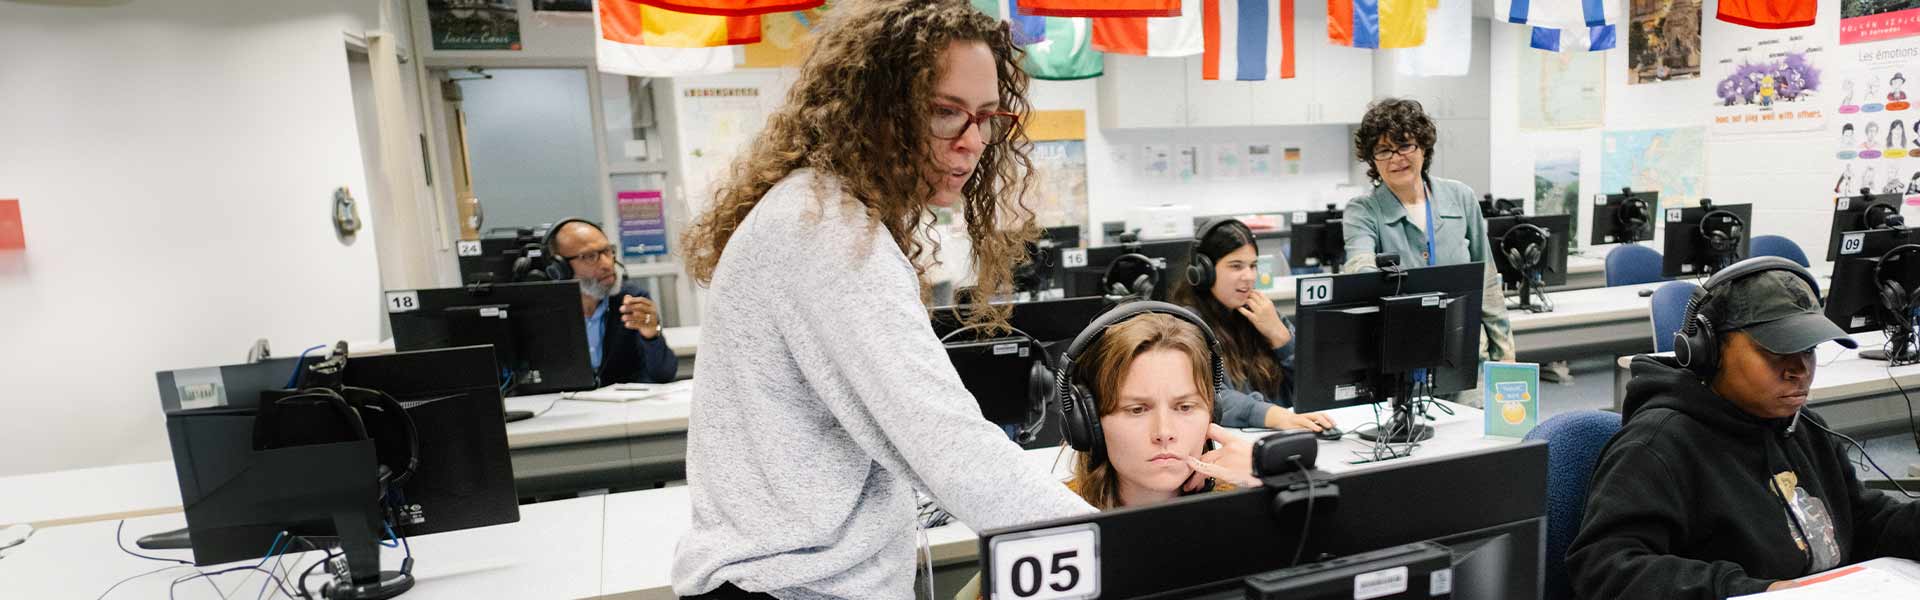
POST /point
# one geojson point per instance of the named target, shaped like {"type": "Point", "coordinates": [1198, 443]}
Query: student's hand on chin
{"type": "Point", "coordinates": [1232, 462]}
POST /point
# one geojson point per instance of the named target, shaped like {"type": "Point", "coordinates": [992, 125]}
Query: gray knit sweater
{"type": "Point", "coordinates": [822, 400]}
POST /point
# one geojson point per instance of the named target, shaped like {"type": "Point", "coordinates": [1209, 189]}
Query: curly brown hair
{"type": "Point", "coordinates": [859, 112]}
{"type": "Point", "coordinates": [1397, 119]}
{"type": "Point", "coordinates": [1096, 481]}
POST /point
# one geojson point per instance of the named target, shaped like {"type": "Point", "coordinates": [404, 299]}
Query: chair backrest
{"type": "Point", "coordinates": [1632, 264]}
{"type": "Point", "coordinates": [1574, 441]}
{"type": "Point", "coordinates": [1669, 307]}
{"type": "Point", "coordinates": [1778, 245]}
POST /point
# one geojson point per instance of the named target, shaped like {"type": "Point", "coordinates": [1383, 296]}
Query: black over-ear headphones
{"type": "Point", "coordinates": [1200, 267]}
{"type": "Point", "coordinates": [1080, 411]}
{"type": "Point", "coordinates": [1894, 297]}
{"type": "Point", "coordinates": [559, 268]}
{"type": "Point", "coordinates": [1722, 230]}
{"type": "Point", "coordinates": [1131, 275]}
{"type": "Point", "coordinates": [1696, 345]}
{"type": "Point", "coordinates": [1524, 244]}
{"type": "Point", "coordinates": [1039, 381]}
{"type": "Point", "coordinates": [1634, 213]}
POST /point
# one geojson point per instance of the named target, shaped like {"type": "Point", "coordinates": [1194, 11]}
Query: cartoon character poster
{"type": "Point", "coordinates": [1663, 41]}
{"type": "Point", "coordinates": [1769, 81]}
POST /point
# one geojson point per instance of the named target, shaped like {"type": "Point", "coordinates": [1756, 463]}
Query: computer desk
{"type": "Point", "coordinates": [577, 445]}
{"type": "Point", "coordinates": [1858, 397]}
{"type": "Point", "coordinates": [554, 551]}
{"type": "Point", "coordinates": [1583, 272]}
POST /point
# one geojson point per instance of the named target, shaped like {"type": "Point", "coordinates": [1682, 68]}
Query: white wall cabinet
{"type": "Point", "coordinates": [1331, 85]}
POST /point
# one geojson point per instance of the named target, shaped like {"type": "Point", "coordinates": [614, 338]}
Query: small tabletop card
{"type": "Point", "coordinates": [1511, 398]}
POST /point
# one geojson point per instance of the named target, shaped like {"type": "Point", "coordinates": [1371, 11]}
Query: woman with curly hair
{"type": "Point", "coordinates": [823, 399]}
{"type": "Point", "coordinates": [1424, 219]}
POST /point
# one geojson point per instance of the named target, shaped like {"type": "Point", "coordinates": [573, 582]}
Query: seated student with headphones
{"type": "Point", "coordinates": [623, 323]}
{"type": "Point", "coordinates": [1136, 391]}
{"type": "Point", "coordinates": [1256, 343]}
{"type": "Point", "coordinates": [1719, 483]}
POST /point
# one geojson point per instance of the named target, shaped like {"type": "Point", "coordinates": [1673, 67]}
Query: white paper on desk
{"type": "Point", "coordinates": [1877, 578]}
{"type": "Point", "coordinates": [628, 392]}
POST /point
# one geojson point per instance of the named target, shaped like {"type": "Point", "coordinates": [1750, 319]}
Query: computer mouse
{"type": "Point", "coordinates": [1646, 293]}
{"type": "Point", "coordinates": [1329, 434]}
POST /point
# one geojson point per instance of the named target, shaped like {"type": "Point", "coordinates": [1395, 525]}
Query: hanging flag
{"type": "Point", "coordinates": [623, 43]}
{"type": "Point", "coordinates": [1058, 49]}
{"type": "Point", "coordinates": [1377, 23]}
{"type": "Point", "coordinates": [1240, 41]}
{"type": "Point", "coordinates": [1768, 14]}
{"type": "Point", "coordinates": [1449, 48]}
{"type": "Point", "coordinates": [729, 8]}
{"type": "Point", "coordinates": [1354, 23]}
{"type": "Point", "coordinates": [1164, 37]}
{"type": "Point", "coordinates": [1575, 39]}
{"type": "Point", "coordinates": [1101, 8]}
{"type": "Point", "coordinates": [1558, 13]}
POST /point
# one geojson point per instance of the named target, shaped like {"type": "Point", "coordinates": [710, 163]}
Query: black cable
{"type": "Point", "coordinates": [116, 585]}
{"type": "Point", "coordinates": [1306, 524]}
{"type": "Point", "coordinates": [303, 575]}
{"type": "Point", "coordinates": [1869, 457]}
{"type": "Point", "coordinates": [1912, 427]}
{"type": "Point", "coordinates": [123, 547]}
{"type": "Point", "coordinates": [209, 577]}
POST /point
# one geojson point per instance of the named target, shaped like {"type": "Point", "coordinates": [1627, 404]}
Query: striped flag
{"type": "Point", "coordinates": [1240, 40]}
{"type": "Point", "coordinates": [730, 8]}
{"type": "Point", "coordinates": [1574, 39]}
{"type": "Point", "coordinates": [643, 41]}
{"type": "Point", "coordinates": [1057, 48]}
{"type": "Point", "coordinates": [1101, 8]}
{"type": "Point", "coordinates": [1164, 37]}
{"type": "Point", "coordinates": [1558, 13]}
{"type": "Point", "coordinates": [1403, 23]}
{"type": "Point", "coordinates": [1354, 23]}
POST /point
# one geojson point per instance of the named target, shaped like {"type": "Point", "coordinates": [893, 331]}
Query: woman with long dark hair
{"type": "Point", "coordinates": [1256, 344]}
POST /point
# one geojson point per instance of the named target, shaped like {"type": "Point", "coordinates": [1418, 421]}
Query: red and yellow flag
{"type": "Point", "coordinates": [732, 8]}
{"type": "Point", "coordinates": [629, 22]}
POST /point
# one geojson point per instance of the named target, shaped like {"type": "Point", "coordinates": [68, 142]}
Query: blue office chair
{"type": "Point", "coordinates": [1778, 245]}
{"type": "Point", "coordinates": [1632, 264]}
{"type": "Point", "coordinates": [1574, 441]}
{"type": "Point", "coordinates": [1669, 307]}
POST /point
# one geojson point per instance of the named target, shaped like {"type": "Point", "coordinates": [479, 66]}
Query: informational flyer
{"type": "Point", "coordinates": [1876, 20]}
{"type": "Point", "coordinates": [474, 24]}
{"type": "Point", "coordinates": [643, 223]}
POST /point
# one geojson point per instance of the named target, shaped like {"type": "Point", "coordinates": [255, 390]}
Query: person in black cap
{"type": "Point", "coordinates": [1719, 483]}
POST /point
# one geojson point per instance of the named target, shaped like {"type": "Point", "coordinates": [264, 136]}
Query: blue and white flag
{"type": "Point", "coordinates": [1558, 13]}
{"type": "Point", "coordinates": [1574, 39]}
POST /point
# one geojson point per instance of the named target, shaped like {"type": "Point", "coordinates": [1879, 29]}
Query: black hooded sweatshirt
{"type": "Point", "coordinates": [1686, 500]}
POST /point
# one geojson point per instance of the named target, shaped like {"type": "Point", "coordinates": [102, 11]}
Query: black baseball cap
{"type": "Point", "coordinates": [1778, 309]}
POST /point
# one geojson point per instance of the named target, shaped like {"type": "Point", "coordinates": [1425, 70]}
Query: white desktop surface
{"type": "Point", "coordinates": [1841, 373]}
{"type": "Point", "coordinates": [552, 552]}
{"type": "Point", "coordinates": [80, 495]}
{"type": "Point", "coordinates": [683, 340]}
{"type": "Point", "coordinates": [1594, 305]}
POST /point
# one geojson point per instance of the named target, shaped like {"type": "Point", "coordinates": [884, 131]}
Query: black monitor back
{"type": "Point", "coordinates": [1553, 258]}
{"type": "Point", "coordinates": [1171, 254]}
{"type": "Point", "coordinates": [497, 253]}
{"type": "Point", "coordinates": [1859, 213]}
{"type": "Point", "coordinates": [1611, 215]}
{"type": "Point", "coordinates": [547, 350]}
{"type": "Point", "coordinates": [1318, 239]}
{"type": "Point", "coordinates": [997, 377]}
{"type": "Point", "coordinates": [1338, 328]}
{"type": "Point", "coordinates": [465, 477]}
{"type": "Point", "coordinates": [1853, 298]}
{"type": "Point", "coordinates": [1685, 251]}
{"type": "Point", "coordinates": [1489, 506]}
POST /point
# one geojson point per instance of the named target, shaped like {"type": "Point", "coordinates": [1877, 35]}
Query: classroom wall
{"type": "Point", "coordinates": [175, 163]}
{"type": "Point", "coordinates": [1788, 177]}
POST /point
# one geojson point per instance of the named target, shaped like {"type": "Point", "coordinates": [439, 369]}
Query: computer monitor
{"type": "Point", "coordinates": [1530, 252]}
{"type": "Point", "coordinates": [1624, 218]}
{"type": "Point", "coordinates": [1040, 277]}
{"type": "Point", "coordinates": [1500, 207]}
{"type": "Point", "coordinates": [1868, 261]}
{"type": "Point", "coordinates": [1487, 507]}
{"type": "Point", "coordinates": [1318, 240]}
{"type": "Point", "coordinates": [238, 497]}
{"type": "Point", "coordinates": [500, 257]}
{"type": "Point", "coordinates": [1364, 338]}
{"type": "Point", "coordinates": [999, 369]}
{"type": "Point", "coordinates": [1860, 213]}
{"type": "Point", "coordinates": [537, 331]}
{"type": "Point", "coordinates": [1704, 239]}
{"type": "Point", "coordinates": [1099, 270]}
